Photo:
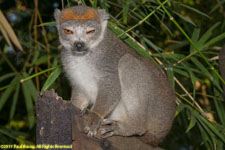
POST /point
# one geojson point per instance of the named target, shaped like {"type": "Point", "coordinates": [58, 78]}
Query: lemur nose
{"type": "Point", "coordinates": [78, 45]}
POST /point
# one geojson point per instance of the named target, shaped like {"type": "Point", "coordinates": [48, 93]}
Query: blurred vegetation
{"type": "Point", "coordinates": [183, 36]}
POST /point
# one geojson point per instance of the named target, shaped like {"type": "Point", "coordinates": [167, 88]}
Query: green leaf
{"type": "Point", "coordinates": [209, 125]}
{"type": "Point", "coordinates": [195, 10]}
{"type": "Point", "coordinates": [170, 75]}
{"type": "Point", "coordinates": [14, 102]}
{"type": "Point", "coordinates": [220, 110]}
{"type": "Point", "coordinates": [179, 108]}
{"type": "Point", "coordinates": [181, 72]}
{"type": "Point", "coordinates": [216, 82]}
{"type": "Point", "coordinates": [94, 4]}
{"type": "Point", "coordinates": [191, 124]}
{"type": "Point", "coordinates": [83, 2]}
{"type": "Point", "coordinates": [163, 24]}
{"type": "Point", "coordinates": [53, 23]}
{"type": "Point", "coordinates": [179, 45]}
{"type": "Point", "coordinates": [32, 89]}
{"type": "Point", "coordinates": [125, 12]}
{"type": "Point", "coordinates": [211, 135]}
{"type": "Point", "coordinates": [187, 67]}
{"type": "Point", "coordinates": [199, 65]}
{"type": "Point", "coordinates": [29, 104]}
{"type": "Point", "coordinates": [185, 19]}
{"type": "Point", "coordinates": [28, 78]}
{"type": "Point", "coordinates": [206, 36]}
{"type": "Point", "coordinates": [42, 60]}
{"type": "Point", "coordinates": [193, 80]}
{"type": "Point", "coordinates": [175, 57]}
{"type": "Point", "coordinates": [219, 145]}
{"type": "Point", "coordinates": [150, 43]}
{"type": "Point", "coordinates": [214, 40]}
{"type": "Point", "coordinates": [204, 136]}
{"type": "Point", "coordinates": [219, 4]}
{"type": "Point", "coordinates": [6, 76]}
{"type": "Point", "coordinates": [139, 16]}
{"type": "Point", "coordinates": [35, 56]}
{"type": "Point", "coordinates": [51, 79]}
{"type": "Point", "coordinates": [194, 38]}
{"type": "Point", "coordinates": [7, 93]}
{"type": "Point", "coordinates": [15, 135]}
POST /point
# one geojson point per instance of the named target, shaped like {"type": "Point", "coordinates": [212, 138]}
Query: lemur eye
{"type": "Point", "coordinates": [90, 31]}
{"type": "Point", "coordinates": [67, 31]}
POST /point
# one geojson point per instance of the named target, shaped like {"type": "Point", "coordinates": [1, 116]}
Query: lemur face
{"type": "Point", "coordinates": [79, 36]}
{"type": "Point", "coordinates": [80, 28]}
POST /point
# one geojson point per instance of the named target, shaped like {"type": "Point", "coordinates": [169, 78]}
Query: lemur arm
{"type": "Point", "coordinates": [108, 96]}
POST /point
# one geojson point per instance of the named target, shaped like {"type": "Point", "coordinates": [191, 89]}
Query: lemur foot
{"type": "Point", "coordinates": [91, 123]}
{"type": "Point", "coordinates": [108, 128]}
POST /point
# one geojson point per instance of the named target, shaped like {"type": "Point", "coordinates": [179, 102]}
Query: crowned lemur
{"type": "Point", "coordinates": [126, 93]}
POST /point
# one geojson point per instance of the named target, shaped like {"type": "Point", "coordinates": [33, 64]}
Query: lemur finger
{"type": "Point", "coordinates": [86, 129]}
{"type": "Point", "coordinates": [107, 122]}
{"type": "Point", "coordinates": [108, 134]}
{"type": "Point", "coordinates": [106, 130]}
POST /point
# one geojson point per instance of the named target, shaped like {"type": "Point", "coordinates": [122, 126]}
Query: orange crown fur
{"type": "Point", "coordinates": [69, 14]}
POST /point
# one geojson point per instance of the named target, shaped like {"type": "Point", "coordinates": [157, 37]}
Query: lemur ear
{"type": "Point", "coordinates": [57, 13]}
{"type": "Point", "coordinates": [103, 15]}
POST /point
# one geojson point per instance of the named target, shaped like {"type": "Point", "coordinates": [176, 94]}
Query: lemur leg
{"type": "Point", "coordinates": [80, 100]}
{"type": "Point", "coordinates": [130, 115]}
{"type": "Point", "coordinates": [123, 121]}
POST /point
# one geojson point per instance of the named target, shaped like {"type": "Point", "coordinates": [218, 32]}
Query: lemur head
{"type": "Point", "coordinates": [80, 28]}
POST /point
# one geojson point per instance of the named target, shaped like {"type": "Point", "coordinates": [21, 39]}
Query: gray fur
{"type": "Point", "coordinates": [57, 15]}
{"type": "Point", "coordinates": [129, 93]}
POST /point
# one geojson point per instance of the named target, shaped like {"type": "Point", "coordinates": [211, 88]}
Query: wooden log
{"type": "Point", "coordinates": [54, 125]}
{"type": "Point", "coordinates": [60, 123]}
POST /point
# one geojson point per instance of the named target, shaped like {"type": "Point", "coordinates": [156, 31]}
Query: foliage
{"type": "Point", "coordinates": [183, 36]}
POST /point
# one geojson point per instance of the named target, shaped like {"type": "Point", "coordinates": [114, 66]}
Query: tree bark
{"type": "Point", "coordinates": [60, 123]}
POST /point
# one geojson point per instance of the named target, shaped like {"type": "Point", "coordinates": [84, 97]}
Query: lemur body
{"type": "Point", "coordinates": [128, 93]}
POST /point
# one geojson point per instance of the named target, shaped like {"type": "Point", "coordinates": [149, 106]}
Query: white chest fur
{"type": "Point", "coordinates": [82, 73]}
